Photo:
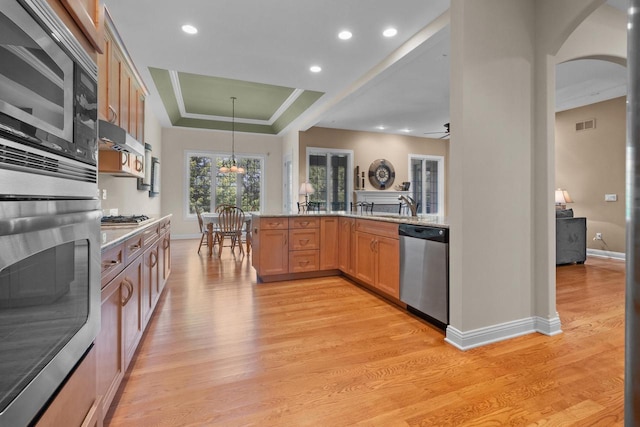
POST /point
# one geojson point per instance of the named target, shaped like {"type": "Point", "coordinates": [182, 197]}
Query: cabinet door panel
{"type": "Point", "coordinates": [329, 243]}
{"type": "Point", "coordinates": [388, 265]}
{"type": "Point", "coordinates": [125, 85]}
{"type": "Point", "coordinates": [347, 246]}
{"type": "Point", "coordinates": [303, 261]}
{"type": "Point", "coordinates": [109, 354]}
{"type": "Point", "coordinates": [165, 258]}
{"type": "Point", "coordinates": [274, 252]}
{"type": "Point", "coordinates": [365, 259]}
{"type": "Point", "coordinates": [150, 282]}
{"type": "Point", "coordinates": [131, 282]}
{"type": "Point", "coordinates": [103, 80]}
{"type": "Point", "coordinates": [301, 239]}
{"type": "Point", "coordinates": [113, 90]}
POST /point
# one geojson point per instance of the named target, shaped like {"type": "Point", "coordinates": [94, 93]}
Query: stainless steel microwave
{"type": "Point", "coordinates": [48, 92]}
{"type": "Point", "coordinates": [48, 106]}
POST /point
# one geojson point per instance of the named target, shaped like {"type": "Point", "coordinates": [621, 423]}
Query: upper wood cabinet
{"type": "Point", "coordinates": [89, 15]}
{"type": "Point", "coordinates": [85, 20]}
{"type": "Point", "coordinates": [121, 93]}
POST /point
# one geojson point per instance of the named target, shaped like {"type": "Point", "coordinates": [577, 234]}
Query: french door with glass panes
{"type": "Point", "coordinates": [427, 183]}
{"type": "Point", "coordinates": [330, 173]}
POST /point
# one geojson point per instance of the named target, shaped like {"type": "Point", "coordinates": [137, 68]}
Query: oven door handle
{"type": "Point", "coordinates": [38, 223]}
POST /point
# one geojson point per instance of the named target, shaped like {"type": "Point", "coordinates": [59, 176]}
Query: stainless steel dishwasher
{"type": "Point", "coordinates": [424, 272]}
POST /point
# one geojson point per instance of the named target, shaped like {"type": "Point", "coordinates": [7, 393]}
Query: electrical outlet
{"type": "Point", "coordinates": [104, 194]}
{"type": "Point", "coordinates": [598, 236]}
{"type": "Point", "coordinates": [610, 197]}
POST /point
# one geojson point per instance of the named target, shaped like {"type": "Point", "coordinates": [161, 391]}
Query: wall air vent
{"type": "Point", "coordinates": [19, 160]}
{"type": "Point", "coordinates": [586, 125]}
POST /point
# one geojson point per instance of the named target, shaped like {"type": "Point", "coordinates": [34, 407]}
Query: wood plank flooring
{"type": "Point", "coordinates": [222, 350]}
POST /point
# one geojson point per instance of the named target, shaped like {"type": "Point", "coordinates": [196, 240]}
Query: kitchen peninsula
{"type": "Point", "coordinates": [363, 247]}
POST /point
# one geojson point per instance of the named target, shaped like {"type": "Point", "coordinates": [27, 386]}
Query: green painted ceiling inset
{"type": "Point", "coordinates": [165, 89]}
{"type": "Point", "coordinates": [212, 96]}
{"type": "Point", "coordinates": [298, 107]}
{"type": "Point", "coordinates": [204, 96]}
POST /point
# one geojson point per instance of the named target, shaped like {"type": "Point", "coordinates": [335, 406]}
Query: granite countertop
{"type": "Point", "coordinates": [113, 235]}
{"type": "Point", "coordinates": [427, 220]}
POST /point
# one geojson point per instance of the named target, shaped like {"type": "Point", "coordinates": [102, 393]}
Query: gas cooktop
{"type": "Point", "coordinates": [116, 220]}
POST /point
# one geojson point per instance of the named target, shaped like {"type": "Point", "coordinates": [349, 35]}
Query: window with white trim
{"type": "Point", "coordinates": [207, 188]}
{"type": "Point", "coordinates": [426, 174]}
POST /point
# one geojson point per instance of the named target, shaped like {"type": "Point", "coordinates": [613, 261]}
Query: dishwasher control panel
{"type": "Point", "coordinates": [436, 234]}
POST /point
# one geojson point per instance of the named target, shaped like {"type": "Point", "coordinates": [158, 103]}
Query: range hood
{"type": "Point", "coordinates": [113, 137]}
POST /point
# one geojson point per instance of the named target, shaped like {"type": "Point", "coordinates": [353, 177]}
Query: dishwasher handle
{"type": "Point", "coordinates": [435, 234]}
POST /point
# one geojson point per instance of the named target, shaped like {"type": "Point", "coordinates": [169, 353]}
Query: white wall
{"type": "Point", "coordinates": [176, 141]}
{"type": "Point", "coordinates": [490, 162]}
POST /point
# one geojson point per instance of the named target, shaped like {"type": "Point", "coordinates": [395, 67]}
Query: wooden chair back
{"type": "Point", "coordinates": [220, 208]}
{"type": "Point", "coordinates": [231, 220]}
{"type": "Point", "coordinates": [200, 221]}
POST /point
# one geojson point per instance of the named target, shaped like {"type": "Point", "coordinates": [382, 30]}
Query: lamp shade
{"type": "Point", "coordinates": [562, 197]}
{"type": "Point", "coordinates": [306, 188]}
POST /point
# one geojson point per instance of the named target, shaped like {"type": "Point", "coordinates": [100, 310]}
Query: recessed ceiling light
{"type": "Point", "coordinates": [390, 32]}
{"type": "Point", "coordinates": [381, 127]}
{"type": "Point", "coordinates": [189, 29]}
{"type": "Point", "coordinates": [345, 35]}
{"type": "Point", "coordinates": [315, 69]}
{"type": "Point", "coordinates": [406, 130]}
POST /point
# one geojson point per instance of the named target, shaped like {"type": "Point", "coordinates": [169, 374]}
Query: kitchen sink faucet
{"type": "Point", "coordinates": [413, 206]}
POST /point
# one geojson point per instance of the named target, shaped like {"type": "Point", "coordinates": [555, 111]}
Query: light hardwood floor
{"type": "Point", "coordinates": [222, 350]}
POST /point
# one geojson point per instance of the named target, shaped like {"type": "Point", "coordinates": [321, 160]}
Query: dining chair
{"type": "Point", "coordinates": [204, 233]}
{"type": "Point", "coordinates": [230, 223]}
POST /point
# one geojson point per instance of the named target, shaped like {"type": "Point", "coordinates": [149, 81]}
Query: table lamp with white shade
{"type": "Point", "coordinates": [562, 198]}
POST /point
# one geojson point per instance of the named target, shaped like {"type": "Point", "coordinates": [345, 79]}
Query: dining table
{"type": "Point", "coordinates": [210, 220]}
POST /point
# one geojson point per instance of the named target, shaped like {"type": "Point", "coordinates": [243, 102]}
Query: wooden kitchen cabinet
{"type": "Point", "coordinates": [165, 252]}
{"type": "Point", "coordinates": [274, 255]}
{"type": "Point", "coordinates": [121, 101]}
{"type": "Point", "coordinates": [346, 246]}
{"type": "Point", "coordinates": [89, 16]}
{"type": "Point", "coordinates": [301, 261]}
{"type": "Point", "coordinates": [150, 280]}
{"type": "Point", "coordinates": [119, 163]}
{"type": "Point", "coordinates": [108, 344]}
{"type": "Point", "coordinates": [387, 270]}
{"type": "Point", "coordinates": [304, 239]}
{"type": "Point", "coordinates": [378, 256]}
{"type": "Point", "coordinates": [365, 257]}
{"type": "Point", "coordinates": [329, 243]}
{"type": "Point", "coordinates": [270, 245]}
{"type": "Point", "coordinates": [304, 244]}
{"type": "Point", "coordinates": [295, 244]}
{"type": "Point", "coordinates": [120, 330]}
{"type": "Point", "coordinates": [132, 281]}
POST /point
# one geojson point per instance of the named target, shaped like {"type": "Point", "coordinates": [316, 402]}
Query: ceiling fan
{"type": "Point", "coordinates": [445, 133]}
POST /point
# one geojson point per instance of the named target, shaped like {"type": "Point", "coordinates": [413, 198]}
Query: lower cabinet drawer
{"type": "Point", "coordinates": [301, 261]}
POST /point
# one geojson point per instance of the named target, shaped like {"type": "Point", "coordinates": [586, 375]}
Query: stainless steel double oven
{"type": "Point", "coordinates": [49, 210]}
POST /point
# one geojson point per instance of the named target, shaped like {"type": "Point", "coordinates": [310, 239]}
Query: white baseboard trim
{"type": "Point", "coordinates": [548, 327]}
{"type": "Point", "coordinates": [606, 254]}
{"type": "Point", "coordinates": [503, 331]}
{"type": "Point", "coordinates": [185, 236]}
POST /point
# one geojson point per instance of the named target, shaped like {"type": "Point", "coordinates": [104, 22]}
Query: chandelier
{"type": "Point", "coordinates": [231, 166]}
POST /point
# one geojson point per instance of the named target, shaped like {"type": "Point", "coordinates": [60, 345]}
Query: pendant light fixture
{"type": "Point", "coordinates": [231, 166]}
